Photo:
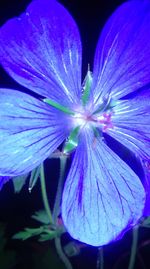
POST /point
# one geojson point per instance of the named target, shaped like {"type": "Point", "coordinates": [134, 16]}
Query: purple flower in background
{"type": "Point", "coordinates": [3, 180]}
{"type": "Point", "coordinates": [41, 49]}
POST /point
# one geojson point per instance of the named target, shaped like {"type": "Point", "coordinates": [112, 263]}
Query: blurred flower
{"type": "Point", "coordinates": [3, 180]}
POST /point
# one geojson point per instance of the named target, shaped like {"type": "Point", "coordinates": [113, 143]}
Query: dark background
{"type": "Point", "coordinates": [16, 209]}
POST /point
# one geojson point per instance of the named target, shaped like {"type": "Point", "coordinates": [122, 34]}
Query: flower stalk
{"type": "Point", "coordinates": [133, 248]}
{"type": "Point", "coordinates": [44, 194]}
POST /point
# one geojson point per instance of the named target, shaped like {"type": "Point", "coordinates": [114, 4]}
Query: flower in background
{"type": "Point", "coordinates": [3, 180]}
{"type": "Point", "coordinates": [102, 197]}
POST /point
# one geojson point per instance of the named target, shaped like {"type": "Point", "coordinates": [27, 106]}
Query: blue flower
{"type": "Point", "coordinates": [41, 49]}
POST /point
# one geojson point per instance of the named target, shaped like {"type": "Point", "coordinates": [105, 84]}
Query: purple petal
{"type": "Point", "coordinates": [102, 196]}
{"type": "Point", "coordinates": [41, 50]}
{"type": "Point", "coordinates": [3, 180]}
{"type": "Point", "coordinates": [131, 122]}
{"type": "Point", "coordinates": [146, 184]}
{"type": "Point", "coordinates": [122, 62]}
{"type": "Point", "coordinates": [30, 131]}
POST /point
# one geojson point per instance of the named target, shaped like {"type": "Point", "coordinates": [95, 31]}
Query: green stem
{"type": "Point", "coordinates": [56, 209]}
{"type": "Point", "coordinates": [100, 259]}
{"type": "Point", "coordinates": [56, 212]}
{"type": "Point", "coordinates": [44, 194]}
{"type": "Point", "coordinates": [61, 253]}
{"type": "Point", "coordinates": [133, 248]}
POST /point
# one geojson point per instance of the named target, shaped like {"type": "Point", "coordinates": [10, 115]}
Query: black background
{"type": "Point", "coordinates": [16, 209]}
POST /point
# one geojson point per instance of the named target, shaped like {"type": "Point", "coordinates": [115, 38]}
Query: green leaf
{"type": "Point", "coordinates": [22, 235]}
{"type": "Point", "coordinates": [58, 106]}
{"type": "Point", "coordinates": [19, 182]}
{"type": "Point", "coordinates": [33, 178]}
{"type": "Point", "coordinates": [41, 216]}
{"type": "Point", "coordinates": [72, 141]}
{"type": "Point", "coordinates": [48, 236]}
{"type": "Point", "coordinates": [45, 233]}
{"type": "Point", "coordinates": [87, 87]}
{"type": "Point", "coordinates": [35, 231]}
{"type": "Point", "coordinates": [27, 233]}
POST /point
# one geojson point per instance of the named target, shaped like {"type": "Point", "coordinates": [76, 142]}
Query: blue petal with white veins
{"type": "Point", "coordinates": [122, 62]}
{"type": "Point", "coordinates": [131, 120]}
{"type": "Point", "coordinates": [30, 131]}
{"type": "Point", "coordinates": [102, 197]}
{"type": "Point", "coordinates": [41, 50]}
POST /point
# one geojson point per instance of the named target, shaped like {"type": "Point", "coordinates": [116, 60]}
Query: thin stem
{"type": "Point", "coordinates": [100, 259]}
{"type": "Point", "coordinates": [44, 194]}
{"type": "Point", "coordinates": [133, 248]}
{"type": "Point", "coordinates": [56, 212]}
{"type": "Point", "coordinates": [61, 253]}
{"type": "Point", "coordinates": [56, 209]}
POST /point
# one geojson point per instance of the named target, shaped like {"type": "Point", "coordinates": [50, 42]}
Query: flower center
{"type": "Point", "coordinates": [85, 120]}
{"type": "Point", "coordinates": [102, 121]}
{"type": "Point", "coordinates": [82, 119]}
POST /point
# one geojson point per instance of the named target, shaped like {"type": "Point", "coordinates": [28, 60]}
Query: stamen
{"type": "Point", "coordinates": [106, 121]}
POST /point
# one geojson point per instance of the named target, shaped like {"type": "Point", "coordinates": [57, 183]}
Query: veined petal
{"type": "Point", "coordinates": [30, 131]}
{"type": "Point", "coordinates": [102, 196]}
{"type": "Point", "coordinates": [146, 184]}
{"type": "Point", "coordinates": [131, 121]}
{"type": "Point", "coordinates": [41, 50]}
{"type": "Point", "coordinates": [122, 62]}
